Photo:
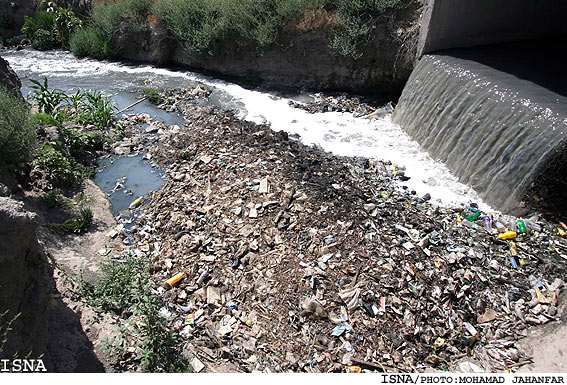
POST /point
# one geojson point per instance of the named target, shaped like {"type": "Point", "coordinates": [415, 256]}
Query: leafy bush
{"type": "Point", "coordinates": [43, 119]}
{"type": "Point", "coordinates": [203, 25]}
{"type": "Point", "coordinates": [356, 18]}
{"type": "Point", "coordinates": [43, 40]}
{"type": "Point", "coordinates": [96, 40]}
{"type": "Point", "coordinates": [80, 223]}
{"type": "Point", "coordinates": [152, 95]}
{"type": "Point", "coordinates": [124, 287]}
{"type": "Point", "coordinates": [54, 198]}
{"type": "Point", "coordinates": [17, 134]}
{"type": "Point", "coordinates": [90, 41]}
{"type": "Point", "coordinates": [81, 144]}
{"type": "Point", "coordinates": [50, 26]}
{"type": "Point", "coordinates": [61, 170]}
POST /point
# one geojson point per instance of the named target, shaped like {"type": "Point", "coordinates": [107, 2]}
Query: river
{"type": "Point", "coordinates": [339, 133]}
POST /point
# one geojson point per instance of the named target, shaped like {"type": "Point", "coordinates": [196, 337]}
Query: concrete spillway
{"type": "Point", "coordinates": [497, 116]}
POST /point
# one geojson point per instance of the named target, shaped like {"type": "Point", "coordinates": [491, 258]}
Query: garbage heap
{"type": "Point", "coordinates": [273, 256]}
{"type": "Point", "coordinates": [340, 103]}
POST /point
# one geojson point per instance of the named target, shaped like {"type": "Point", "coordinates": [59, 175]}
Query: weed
{"type": "Point", "coordinates": [124, 288]}
{"type": "Point", "coordinates": [80, 145]}
{"type": "Point", "coordinates": [78, 224]}
{"type": "Point", "coordinates": [50, 26]}
{"type": "Point", "coordinates": [84, 107]}
{"type": "Point", "coordinates": [356, 18]}
{"type": "Point", "coordinates": [54, 198]}
{"type": "Point", "coordinates": [153, 96]}
{"type": "Point", "coordinates": [43, 40]}
{"type": "Point", "coordinates": [61, 170]}
{"type": "Point", "coordinates": [90, 41]}
{"type": "Point", "coordinates": [48, 101]}
{"type": "Point", "coordinates": [204, 25]}
{"type": "Point", "coordinates": [17, 134]}
{"type": "Point", "coordinates": [43, 119]}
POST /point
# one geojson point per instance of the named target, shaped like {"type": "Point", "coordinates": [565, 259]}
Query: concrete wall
{"type": "Point", "coordinates": [464, 23]}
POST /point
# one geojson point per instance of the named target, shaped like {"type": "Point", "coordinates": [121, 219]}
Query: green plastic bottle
{"type": "Point", "coordinates": [522, 229]}
{"type": "Point", "coordinates": [473, 217]}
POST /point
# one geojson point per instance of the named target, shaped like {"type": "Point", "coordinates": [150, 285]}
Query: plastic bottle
{"type": "Point", "coordinates": [521, 227]}
{"type": "Point", "coordinates": [471, 224]}
{"type": "Point", "coordinates": [532, 225]}
{"type": "Point", "coordinates": [513, 249]}
{"type": "Point", "coordinates": [473, 217]}
{"type": "Point", "coordinates": [508, 235]}
{"type": "Point", "coordinates": [486, 221]}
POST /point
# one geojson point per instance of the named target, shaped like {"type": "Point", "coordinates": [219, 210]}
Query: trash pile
{"type": "Point", "coordinates": [340, 103]}
{"type": "Point", "coordinates": [272, 256]}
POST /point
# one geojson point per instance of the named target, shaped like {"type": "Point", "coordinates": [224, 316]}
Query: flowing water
{"type": "Point", "coordinates": [496, 116]}
{"type": "Point", "coordinates": [338, 133]}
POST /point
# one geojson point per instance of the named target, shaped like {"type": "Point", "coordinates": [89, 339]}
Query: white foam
{"type": "Point", "coordinates": [338, 133]}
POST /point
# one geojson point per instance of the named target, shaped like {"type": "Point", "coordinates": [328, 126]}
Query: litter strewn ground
{"type": "Point", "coordinates": [286, 258]}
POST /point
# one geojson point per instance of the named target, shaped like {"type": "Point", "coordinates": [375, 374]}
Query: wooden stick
{"type": "Point", "coordinates": [131, 105]}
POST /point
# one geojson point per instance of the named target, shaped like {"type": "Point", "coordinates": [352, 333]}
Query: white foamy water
{"type": "Point", "coordinates": [338, 133]}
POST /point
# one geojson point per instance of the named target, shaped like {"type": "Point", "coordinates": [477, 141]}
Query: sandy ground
{"type": "Point", "coordinates": [77, 332]}
{"type": "Point", "coordinates": [548, 346]}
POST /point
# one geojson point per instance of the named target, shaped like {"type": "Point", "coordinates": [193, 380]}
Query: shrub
{"type": "Point", "coordinates": [203, 25]}
{"type": "Point", "coordinates": [61, 170]}
{"type": "Point", "coordinates": [50, 26]}
{"type": "Point", "coordinates": [153, 96]}
{"type": "Point", "coordinates": [124, 287]}
{"type": "Point", "coordinates": [17, 134]}
{"type": "Point", "coordinates": [43, 119]}
{"type": "Point", "coordinates": [80, 223]}
{"type": "Point", "coordinates": [90, 41]}
{"type": "Point", "coordinates": [356, 18]}
{"type": "Point", "coordinates": [43, 40]}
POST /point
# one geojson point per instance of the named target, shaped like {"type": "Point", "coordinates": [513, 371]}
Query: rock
{"type": "Point", "coordinates": [9, 79]}
{"type": "Point", "coordinates": [24, 282]}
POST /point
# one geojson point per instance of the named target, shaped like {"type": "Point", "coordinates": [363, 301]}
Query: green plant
{"type": "Point", "coordinates": [17, 134]}
{"type": "Point", "coordinates": [43, 40]}
{"type": "Point", "coordinates": [48, 101]}
{"type": "Point", "coordinates": [153, 96]}
{"type": "Point", "coordinates": [40, 20]}
{"type": "Point", "coordinates": [6, 21]}
{"type": "Point", "coordinates": [90, 41]}
{"type": "Point", "coordinates": [50, 26]}
{"type": "Point", "coordinates": [81, 144]}
{"type": "Point", "coordinates": [61, 170]}
{"type": "Point", "coordinates": [54, 198]}
{"type": "Point", "coordinates": [356, 18]}
{"type": "Point", "coordinates": [43, 119]}
{"type": "Point", "coordinates": [65, 23]}
{"type": "Point", "coordinates": [124, 287]}
{"type": "Point", "coordinates": [78, 224]}
{"type": "Point", "coordinates": [204, 25]}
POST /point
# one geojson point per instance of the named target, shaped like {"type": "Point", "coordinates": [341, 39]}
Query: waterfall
{"type": "Point", "coordinates": [494, 130]}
